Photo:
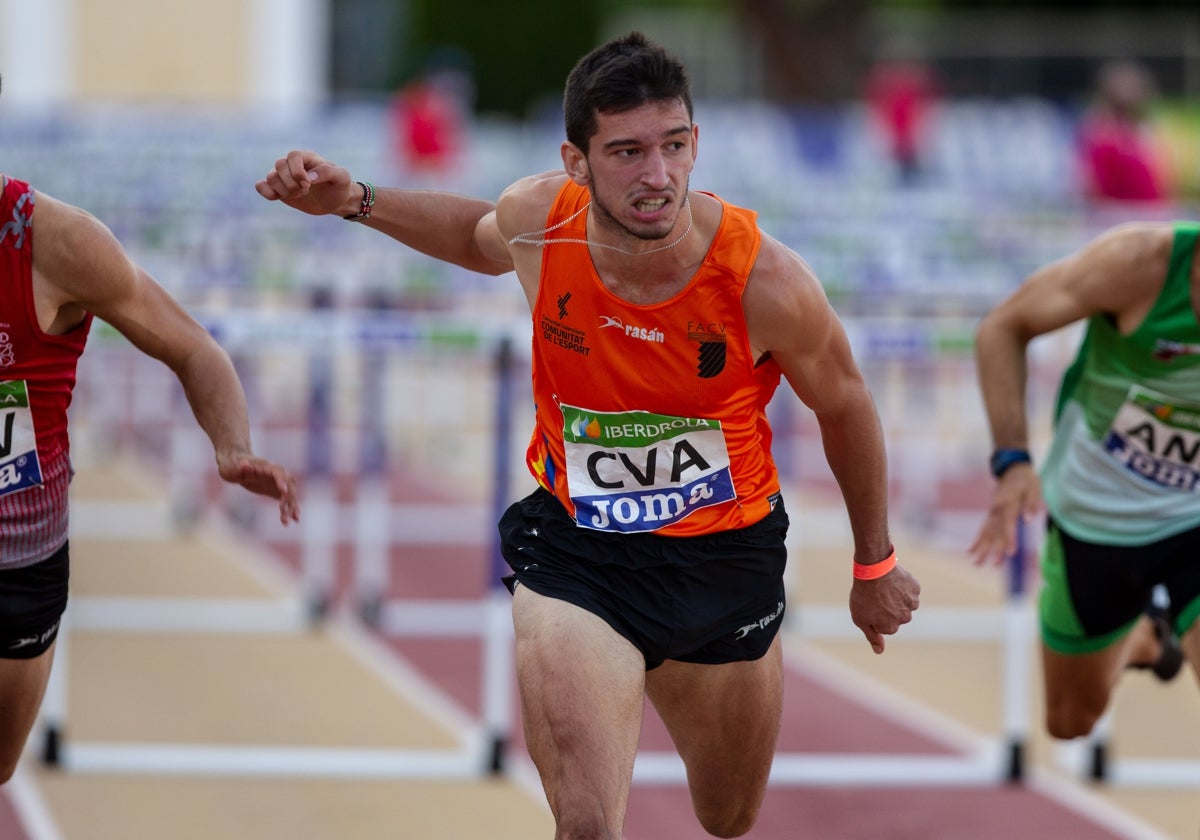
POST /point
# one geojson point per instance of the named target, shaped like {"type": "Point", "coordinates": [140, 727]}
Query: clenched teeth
{"type": "Point", "coordinates": [651, 204]}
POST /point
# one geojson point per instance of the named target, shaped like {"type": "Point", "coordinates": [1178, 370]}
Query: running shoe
{"type": "Point", "coordinates": [1170, 659]}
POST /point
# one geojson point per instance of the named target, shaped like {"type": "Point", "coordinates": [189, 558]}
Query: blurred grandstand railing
{"type": "Point", "coordinates": [909, 267]}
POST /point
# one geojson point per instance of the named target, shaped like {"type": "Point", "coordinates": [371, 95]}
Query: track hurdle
{"type": "Point", "coordinates": [981, 762]}
{"type": "Point", "coordinates": [491, 621]}
{"type": "Point", "coordinates": [481, 745]}
{"type": "Point", "coordinates": [882, 346]}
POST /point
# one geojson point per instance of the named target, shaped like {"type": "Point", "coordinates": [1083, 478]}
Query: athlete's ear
{"type": "Point", "coordinates": [575, 163]}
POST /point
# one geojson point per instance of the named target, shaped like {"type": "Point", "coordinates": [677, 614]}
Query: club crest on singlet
{"type": "Point", "coordinates": [19, 466]}
{"type": "Point", "coordinates": [635, 471]}
{"type": "Point", "coordinates": [1158, 438]}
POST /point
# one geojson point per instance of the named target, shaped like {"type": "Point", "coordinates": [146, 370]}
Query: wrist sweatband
{"type": "Point", "coordinates": [1004, 458]}
{"type": "Point", "coordinates": [871, 571]}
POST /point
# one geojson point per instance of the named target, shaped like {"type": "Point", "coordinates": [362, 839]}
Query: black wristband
{"type": "Point", "coordinates": [1002, 459]}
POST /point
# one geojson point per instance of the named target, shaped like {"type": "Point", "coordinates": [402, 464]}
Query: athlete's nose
{"type": "Point", "coordinates": [655, 173]}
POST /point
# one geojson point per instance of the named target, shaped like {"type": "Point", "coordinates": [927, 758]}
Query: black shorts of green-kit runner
{"type": "Point", "coordinates": [707, 599]}
{"type": "Point", "coordinates": [1092, 593]}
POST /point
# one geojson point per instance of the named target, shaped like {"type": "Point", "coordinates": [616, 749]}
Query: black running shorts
{"type": "Point", "coordinates": [1091, 594]}
{"type": "Point", "coordinates": [32, 601]}
{"type": "Point", "coordinates": [707, 599]}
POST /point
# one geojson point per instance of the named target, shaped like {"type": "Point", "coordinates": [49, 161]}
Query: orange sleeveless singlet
{"type": "Point", "coordinates": [650, 418]}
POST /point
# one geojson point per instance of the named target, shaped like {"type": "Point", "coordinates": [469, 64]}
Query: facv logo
{"type": "Point", "coordinates": [710, 336]}
{"type": "Point", "coordinates": [652, 334]}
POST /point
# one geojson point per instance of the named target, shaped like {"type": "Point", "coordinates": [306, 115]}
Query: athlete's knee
{"type": "Point", "coordinates": [8, 767]}
{"type": "Point", "coordinates": [591, 831]}
{"type": "Point", "coordinates": [730, 818]}
{"type": "Point", "coordinates": [585, 817]}
{"type": "Point", "coordinates": [1072, 717]}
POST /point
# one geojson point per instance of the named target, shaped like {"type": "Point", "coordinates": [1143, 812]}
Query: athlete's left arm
{"type": "Point", "coordinates": [789, 316]}
{"type": "Point", "coordinates": [80, 266]}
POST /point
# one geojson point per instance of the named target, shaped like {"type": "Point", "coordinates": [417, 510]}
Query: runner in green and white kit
{"type": "Point", "coordinates": [1121, 480]}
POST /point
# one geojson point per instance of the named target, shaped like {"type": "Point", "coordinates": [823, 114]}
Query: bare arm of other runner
{"type": "Point", "coordinates": [790, 317]}
{"type": "Point", "coordinates": [79, 265]}
{"type": "Point", "coordinates": [1116, 274]}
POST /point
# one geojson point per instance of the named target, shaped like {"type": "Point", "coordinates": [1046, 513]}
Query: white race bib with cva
{"type": "Point", "coordinates": [635, 471]}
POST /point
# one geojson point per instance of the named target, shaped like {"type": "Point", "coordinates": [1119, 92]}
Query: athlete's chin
{"type": "Point", "coordinates": [652, 231]}
{"type": "Point", "coordinates": [655, 238]}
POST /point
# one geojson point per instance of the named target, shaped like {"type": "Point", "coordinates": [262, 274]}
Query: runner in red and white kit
{"type": "Point", "coordinates": [59, 268]}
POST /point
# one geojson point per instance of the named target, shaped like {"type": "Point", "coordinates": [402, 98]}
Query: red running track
{"type": "Point", "coordinates": [817, 718]}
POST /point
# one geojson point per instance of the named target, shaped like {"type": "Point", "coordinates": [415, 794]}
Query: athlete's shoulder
{"type": "Point", "coordinates": [1130, 251]}
{"type": "Point", "coordinates": [1136, 240]}
{"type": "Point", "coordinates": [525, 203]}
{"type": "Point", "coordinates": [779, 262]}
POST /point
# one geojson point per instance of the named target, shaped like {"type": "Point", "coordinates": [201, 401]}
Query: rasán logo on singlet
{"type": "Point", "coordinates": [634, 471]}
{"type": "Point", "coordinates": [711, 338]}
{"type": "Point", "coordinates": [632, 330]}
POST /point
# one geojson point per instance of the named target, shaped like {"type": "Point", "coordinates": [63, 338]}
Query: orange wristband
{"type": "Point", "coordinates": [871, 571]}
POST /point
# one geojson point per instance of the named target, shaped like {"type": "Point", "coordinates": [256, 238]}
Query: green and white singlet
{"type": "Point", "coordinates": [1124, 464]}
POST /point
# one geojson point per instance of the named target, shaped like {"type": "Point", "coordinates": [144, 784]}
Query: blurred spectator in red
{"type": "Point", "coordinates": [430, 115]}
{"type": "Point", "coordinates": [1118, 152]}
{"type": "Point", "coordinates": [900, 94]}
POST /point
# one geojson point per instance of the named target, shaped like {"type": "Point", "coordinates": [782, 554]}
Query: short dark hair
{"type": "Point", "coordinates": [619, 76]}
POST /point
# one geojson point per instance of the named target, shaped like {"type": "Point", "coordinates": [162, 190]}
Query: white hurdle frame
{"type": "Point", "coordinates": [481, 745]}
{"type": "Point", "coordinates": [983, 764]}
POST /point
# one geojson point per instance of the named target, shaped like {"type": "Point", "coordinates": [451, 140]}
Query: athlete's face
{"type": "Point", "coordinates": [637, 169]}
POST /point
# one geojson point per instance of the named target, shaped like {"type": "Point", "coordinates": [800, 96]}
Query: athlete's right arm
{"type": "Point", "coordinates": [453, 228]}
{"type": "Point", "coordinates": [1118, 273]}
{"type": "Point", "coordinates": [79, 266]}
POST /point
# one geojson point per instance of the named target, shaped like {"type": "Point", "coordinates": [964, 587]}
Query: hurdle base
{"type": "Point", "coordinates": [496, 756]}
{"type": "Point", "coordinates": [1016, 762]}
{"type": "Point", "coordinates": [52, 747]}
{"type": "Point", "coordinates": [1098, 769]}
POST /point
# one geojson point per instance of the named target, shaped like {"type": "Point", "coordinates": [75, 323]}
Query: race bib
{"type": "Point", "coordinates": [634, 471]}
{"type": "Point", "coordinates": [19, 467]}
{"type": "Point", "coordinates": [1158, 438]}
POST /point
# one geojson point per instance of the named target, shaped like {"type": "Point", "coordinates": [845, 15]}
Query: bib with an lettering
{"type": "Point", "coordinates": [1157, 438]}
{"type": "Point", "coordinates": [19, 465]}
{"type": "Point", "coordinates": [634, 471]}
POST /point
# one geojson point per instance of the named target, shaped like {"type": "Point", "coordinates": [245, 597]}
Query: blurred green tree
{"type": "Point", "coordinates": [519, 51]}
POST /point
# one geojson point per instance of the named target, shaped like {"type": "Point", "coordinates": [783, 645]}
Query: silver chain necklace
{"type": "Point", "coordinates": [528, 238]}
